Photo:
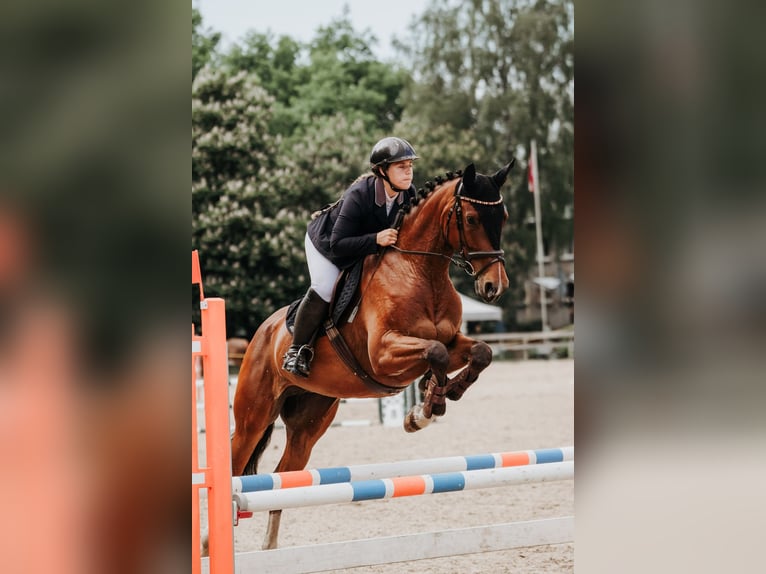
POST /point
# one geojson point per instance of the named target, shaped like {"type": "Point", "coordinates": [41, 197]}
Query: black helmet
{"type": "Point", "coordinates": [390, 150]}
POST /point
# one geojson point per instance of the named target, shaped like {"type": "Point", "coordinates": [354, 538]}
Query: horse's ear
{"type": "Point", "coordinates": [469, 175]}
{"type": "Point", "coordinates": [502, 173]}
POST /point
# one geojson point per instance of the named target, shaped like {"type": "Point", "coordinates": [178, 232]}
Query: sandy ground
{"type": "Point", "coordinates": [513, 406]}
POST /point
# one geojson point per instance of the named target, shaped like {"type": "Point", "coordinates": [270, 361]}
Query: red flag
{"type": "Point", "coordinates": [531, 178]}
{"type": "Point", "coordinates": [532, 168]}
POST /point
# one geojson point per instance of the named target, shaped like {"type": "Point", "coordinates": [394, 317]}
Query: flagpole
{"type": "Point", "coordinates": [538, 230]}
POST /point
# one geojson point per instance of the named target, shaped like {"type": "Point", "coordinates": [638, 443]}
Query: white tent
{"type": "Point", "coordinates": [550, 283]}
{"type": "Point", "coordinates": [474, 310]}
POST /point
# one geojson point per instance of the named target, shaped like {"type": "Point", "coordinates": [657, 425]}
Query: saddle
{"type": "Point", "coordinates": [345, 297]}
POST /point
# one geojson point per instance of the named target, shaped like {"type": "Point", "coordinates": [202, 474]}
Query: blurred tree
{"type": "Point", "coordinates": [249, 235]}
{"type": "Point", "coordinates": [489, 76]}
{"type": "Point", "coordinates": [335, 74]}
{"type": "Point", "coordinates": [256, 181]}
{"type": "Point", "coordinates": [279, 129]}
{"type": "Point", "coordinates": [204, 43]}
{"type": "Point", "coordinates": [274, 61]}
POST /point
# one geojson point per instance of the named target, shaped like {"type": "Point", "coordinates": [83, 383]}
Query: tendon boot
{"type": "Point", "coordinates": [311, 312]}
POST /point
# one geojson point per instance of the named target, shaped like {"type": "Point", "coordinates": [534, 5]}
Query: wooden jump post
{"type": "Point", "coordinates": [215, 476]}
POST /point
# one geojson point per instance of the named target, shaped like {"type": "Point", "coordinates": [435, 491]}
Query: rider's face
{"type": "Point", "coordinates": [400, 173]}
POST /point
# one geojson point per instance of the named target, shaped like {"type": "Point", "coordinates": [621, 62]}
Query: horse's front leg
{"type": "Point", "coordinates": [396, 354]}
{"type": "Point", "coordinates": [475, 355]}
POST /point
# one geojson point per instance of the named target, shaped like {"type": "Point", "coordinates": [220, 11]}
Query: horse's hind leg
{"type": "Point", "coordinates": [307, 417]}
{"type": "Point", "coordinates": [254, 415]}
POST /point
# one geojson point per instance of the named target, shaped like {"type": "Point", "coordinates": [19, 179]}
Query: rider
{"type": "Point", "coordinates": [359, 225]}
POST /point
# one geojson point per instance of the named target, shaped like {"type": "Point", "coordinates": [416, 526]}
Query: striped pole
{"type": "Point", "coordinates": [340, 474]}
{"type": "Point", "coordinates": [379, 489]}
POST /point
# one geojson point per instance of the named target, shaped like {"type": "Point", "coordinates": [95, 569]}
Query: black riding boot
{"type": "Point", "coordinates": [311, 312]}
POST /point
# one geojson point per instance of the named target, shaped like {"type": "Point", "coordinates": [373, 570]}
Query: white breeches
{"type": "Point", "coordinates": [323, 272]}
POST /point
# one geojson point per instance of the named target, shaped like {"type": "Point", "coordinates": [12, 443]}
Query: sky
{"type": "Point", "coordinates": [299, 19]}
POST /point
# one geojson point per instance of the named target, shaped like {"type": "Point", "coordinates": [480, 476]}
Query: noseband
{"type": "Point", "coordinates": [465, 257]}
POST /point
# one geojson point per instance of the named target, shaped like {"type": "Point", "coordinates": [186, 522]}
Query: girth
{"type": "Point", "coordinates": [347, 356]}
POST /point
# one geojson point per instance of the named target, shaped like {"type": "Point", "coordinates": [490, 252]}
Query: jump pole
{"type": "Point", "coordinates": [333, 475]}
{"type": "Point", "coordinates": [383, 488]}
{"type": "Point", "coordinates": [216, 475]}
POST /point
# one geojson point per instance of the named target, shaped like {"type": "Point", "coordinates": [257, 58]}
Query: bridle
{"type": "Point", "coordinates": [464, 257]}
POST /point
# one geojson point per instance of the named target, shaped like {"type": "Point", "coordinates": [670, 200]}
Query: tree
{"type": "Point", "coordinates": [204, 43]}
{"type": "Point", "coordinates": [493, 75]}
{"type": "Point", "coordinates": [279, 129]}
{"type": "Point", "coordinates": [248, 234]}
{"type": "Point", "coordinates": [275, 62]}
{"type": "Point", "coordinates": [335, 74]}
{"type": "Point", "coordinates": [252, 200]}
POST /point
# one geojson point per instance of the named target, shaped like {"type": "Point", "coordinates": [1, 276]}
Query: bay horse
{"type": "Point", "coordinates": [407, 325]}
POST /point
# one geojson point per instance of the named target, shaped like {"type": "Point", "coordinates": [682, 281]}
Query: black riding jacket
{"type": "Point", "coordinates": [351, 229]}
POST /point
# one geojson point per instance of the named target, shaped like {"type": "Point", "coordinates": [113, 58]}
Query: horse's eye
{"type": "Point", "coordinates": [472, 220]}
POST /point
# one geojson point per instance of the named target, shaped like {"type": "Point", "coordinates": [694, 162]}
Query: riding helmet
{"type": "Point", "coordinates": [390, 150]}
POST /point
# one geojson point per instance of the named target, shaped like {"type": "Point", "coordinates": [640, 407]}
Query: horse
{"type": "Point", "coordinates": [407, 325]}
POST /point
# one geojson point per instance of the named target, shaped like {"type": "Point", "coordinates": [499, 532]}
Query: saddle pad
{"type": "Point", "coordinates": [346, 291]}
{"type": "Point", "coordinates": [345, 294]}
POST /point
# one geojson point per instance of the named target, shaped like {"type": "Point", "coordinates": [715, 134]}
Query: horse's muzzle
{"type": "Point", "coordinates": [491, 281]}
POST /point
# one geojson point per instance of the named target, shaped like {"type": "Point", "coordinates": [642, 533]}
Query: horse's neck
{"type": "Point", "coordinates": [422, 229]}
{"type": "Point", "coordinates": [422, 232]}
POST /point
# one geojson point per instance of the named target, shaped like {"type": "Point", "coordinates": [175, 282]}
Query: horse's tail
{"type": "Point", "coordinates": [252, 464]}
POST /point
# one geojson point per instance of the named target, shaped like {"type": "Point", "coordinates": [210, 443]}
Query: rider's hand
{"type": "Point", "coordinates": [387, 237]}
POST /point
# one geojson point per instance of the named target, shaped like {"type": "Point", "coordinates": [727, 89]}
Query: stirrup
{"type": "Point", "coordinates": [299, 360]}
{"type": "Point", "coordinates": [288, 360]}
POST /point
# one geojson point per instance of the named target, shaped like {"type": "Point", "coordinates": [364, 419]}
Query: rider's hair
{"type": "Point", "coordinates": [361, 177]}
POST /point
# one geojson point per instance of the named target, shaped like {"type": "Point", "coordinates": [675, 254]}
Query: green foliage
{"type": "Point", "coordinates": [335, 74]}
{"type": "Point", "coordinates": [274, 63]}
{"type": "Point", "coordinates": [324, 161]}
{"type": "Point", "coordinates": [203, 43]}
{"type": "Point", "coordinates": [254, 187]}
{"type": "Point", "coordinates": [249, 237]}
{"type": "Point", "coordinates": [280, 128]}
{"type": "Point", "coordinates": [491, 76]}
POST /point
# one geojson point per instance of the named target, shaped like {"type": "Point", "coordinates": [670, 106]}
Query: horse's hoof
{"type": "Point", "coordinates": [458, 389]}
{"type": "Point", "coordinates": [438, 409]}
{"type": "Point", "coordinates": [415, 421]}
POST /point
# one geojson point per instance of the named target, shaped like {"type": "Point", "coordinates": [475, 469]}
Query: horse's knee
{"type": "Point", "coordinates": [481, 355]}
{"type": "Point", "coordinates": [438, 357]}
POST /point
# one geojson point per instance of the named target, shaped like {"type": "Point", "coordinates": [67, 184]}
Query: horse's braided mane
{"type": "Point", "coordinates": [423, 192]}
